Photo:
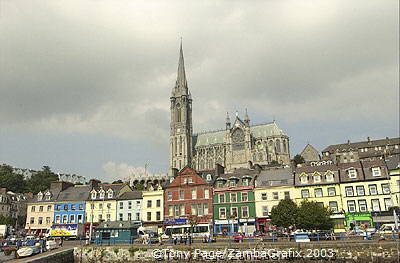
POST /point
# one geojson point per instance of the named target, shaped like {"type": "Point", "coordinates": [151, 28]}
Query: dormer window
{"type": "Point", "coordinates": [209, 177]}
{"type": "Point", "coordinates": [317, 178]}
{"type": "Point", "coordinates": [110, 193]}
{"type": "Point", "coordinates": [39, 196]}
{"type": "Point", "coordinates": [352, 173]}
{"type": "Point", "coordinates": [329, 176]}
{"type": "Point", "coordinates": [376, 171]}
{"type": "Point", "coordinates": [304, 179]}
{"type": "Point", "coordinates": [232, 182]}
{"type": "Point", "coordinates": [94, 194]}
{"type": "Point", "coordinates": [101, 194]}
{"type": "Point", "coordinates": [246, 181]}
{"type": "Point", "coordinates": [48, 196]}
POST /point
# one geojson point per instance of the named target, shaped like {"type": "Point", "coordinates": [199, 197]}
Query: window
{"type": "Point", "coordinates": [287, 195]}
{"type": "Point", "coordinates": [41, 208]}
{"type": "Point", "coordinates": [137, 216]}
{"type": "Point", "coordinates": [375, 205]}
{"type": "Point", "coordinates": [169, 194]}
{"type": "Point", "coordinates": [329, 177]}
{"type": "Point", "coordinates": [385, 189]}
{"type": "Point", "coordinates": [48, 208]}
{"type": "Point", "coordinates": [222, 212]}
{"type": "Point", "coordinates": [360, 190]}
{"type": "Point", "coordinates": [66, 207]}
{"type": "Point", "coordinates": [264, 196]}
{"type": "Point", "coordinates": [333, 206]}
{"type": "Point", "coordinates": [102, 194]}
{"type": "Point", "coordinates": [73, 207]}
{"type": "Point", "coordinates": [206, 193]}
{"type": "Point", "coordinates": [352, 173]}
{"type": "Point", "coordinates": [72, 218]}
{"type": "Point", "coordinates": [233, 197]}
{"type": "Point", "coordinates": [331, 191]}
{"type": "Point", "coordinates": [48, 221]}
{"type": "Point", "coordinates": [305, 193]}
{"type": "Point", "coordinates": [57, 207]}
{"type": "Point", "coordinates": [275, 195]}
{"type": "Point", "coordinates": [193, 209]}
{"type": "Point", "coordinates": [108, 205]}
{"type": "Point", "coordinates": [232, 182]}
{"type": "Point", "coordinates": [372, 189]}
{"type": "Point", "coordinates": [349, 190]}
{"type": "Point", "coordinates": [317, 179]}
{"type": "Point", "coordinates": [148, 203]}
{"type": "Point", "coordinates": [388, 203]}
{"type": "Point", "coordinates": [376, 171]}
{"type": "Point", "coordinates": [48, 196]}
{"type": "Point", "coordinates": [32, 220]}
{"type": "Point", "coordinates": [92, 206]}
{"type": "Point", "coordinates": [80, 218]}
{"type": "Point", "coordinates": [193, 193]}
{"type": "Point", "coordinates": [57, 219]}
{"type": "Point", "coordinates": [182, 208]}
{"type": "Point", "coordinates": [304, 179]}
{"type": "Point", "coordinates": [245, 197]}
{"type": "Point", "coordinates": [33, 208]}
{"type": "Point", "coordinates": [265, 210]}
{"type": "Point", "coordinates": [234, 212]}
{"type": "Point", "coordinates": [221, 198]}
{"type": "Point", "coordinates": [200, 209]}
{"type": "Point", "coordinates": [64, 219]}
{"type": "Point", "coordinates": [94, 195]}
{"type": "Point", "coordinates": [362, 205]}
{"type": "Point", "coordinates": [129, 216]}
{"type": "Point", "coordinates": [81, 207]}
{"type": "Point", "coordinates": [121, 205]}
{"type": "Point", "coordinates": [129, 204]}
{"type": "Point", "coordinates": [246, 181]}
{"type": "Point", "coordinates": [176, 210]}
{"type": "Point", "coordinates": [40, 220]}
{"type": "Point", "coordinates": [108, 217]}
{"type": "Point", "coordinates": [158, 216]}
{"type": "Point", "coordinates": [190, 180]}
{"type": "Point", "coordinates": [351, 206]}
{"type": "Point", "coordinates": [158, 203]}
{"type": "Point", "coordinates": [205, 209]}
{"type": "Point", "coordinates": [181, 194]}
{"type": "Point", "coordinates": [318, 192]}
{"type": "Point", "coordinates": [245, 211]}
{"type": "Point", "coordinates": [209, 177]}
{"type": "Point", "coordinates": [101, 218]}
{"type": "Point", "coordinates": [121, 217]}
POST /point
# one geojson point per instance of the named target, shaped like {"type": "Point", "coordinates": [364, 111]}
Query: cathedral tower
{"type": "Point", "coordinates": [181, 120]}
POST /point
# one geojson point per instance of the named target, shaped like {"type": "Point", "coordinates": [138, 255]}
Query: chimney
{"type": "Point", "coordinates": [60, 185]}
{"type": "Point", "coordinates": [348, 141]}
{"type": "Point", "coordinates": [220, 169]}
{"type": "Point", "coordinates": [93, 183]}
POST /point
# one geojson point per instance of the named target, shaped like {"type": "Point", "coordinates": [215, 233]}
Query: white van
{"type": "Point", "coordinates": [387, 229]}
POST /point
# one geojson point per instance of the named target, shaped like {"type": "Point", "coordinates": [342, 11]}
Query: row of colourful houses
{"type": "Point", "coordinates": [358, 192]}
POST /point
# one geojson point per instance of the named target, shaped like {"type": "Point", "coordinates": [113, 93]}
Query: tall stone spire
{"type": "Point", "coordinates": [228, 121]}
{"type": "Point", "coordinates": [181, 87]}
{"type": "Point", "coordinates": [246, 118]}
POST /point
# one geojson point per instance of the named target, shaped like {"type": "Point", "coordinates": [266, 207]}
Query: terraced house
{"type": "Point", "coordinates": [271, 186]}
{"type": "Point", "coordinates": [366, 193]}
{"type": "Point", "coordinates": [153, 208]}
{"type": "Point", "coordinates": [234, 205]}
{"type": "Point", "coordinates": [69, 207]}
{"type": "Point", "coordinates": [321, 183]}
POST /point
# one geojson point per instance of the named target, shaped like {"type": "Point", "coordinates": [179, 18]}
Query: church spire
{"type": "Point", "coordinates": [181, 83]}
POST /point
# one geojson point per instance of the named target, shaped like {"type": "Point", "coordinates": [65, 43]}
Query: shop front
{"type": "Point", "coordinates": [358, 221]}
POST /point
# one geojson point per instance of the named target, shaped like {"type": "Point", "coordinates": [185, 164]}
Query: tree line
{"type": "Point", "coordinates": [17, 183]}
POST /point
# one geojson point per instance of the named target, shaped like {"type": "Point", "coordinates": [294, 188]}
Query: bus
{"type": "Point", "coordinates": [199, 230]}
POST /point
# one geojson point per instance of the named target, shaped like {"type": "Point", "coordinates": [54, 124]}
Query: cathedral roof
{"type": "Point", "coordinates": [217, 137]}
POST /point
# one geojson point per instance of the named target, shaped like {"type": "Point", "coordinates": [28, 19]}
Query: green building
{"type": "Point", "coordinates": [233, 203]}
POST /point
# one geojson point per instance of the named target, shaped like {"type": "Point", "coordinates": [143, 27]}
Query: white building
{"type": "Point", "coordinates": [129, 206]}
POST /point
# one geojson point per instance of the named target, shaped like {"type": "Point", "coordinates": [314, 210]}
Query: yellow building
{"type": "Point", "coordinates": [102, 203]}
{"type": "Point", "coordinates": [366, 193]}
{"type": "Point", "coordinates": [271, 186]}
{"type": "Point", "coordinates": [320, 183]}
{"type": "Point", "coordinates": [40, 212]}
{"type": "Point", "coordinates": [393, 164]}
{"type": "Point", "coordinates": [153, 208]}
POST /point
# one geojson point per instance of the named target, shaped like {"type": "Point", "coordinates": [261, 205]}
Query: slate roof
{"type": "Point", "coordinates": [393, 162]}
{"type": "Point", "coordinates": [75, 193]}
{"type": "Point", "coordinates": [275, 177]}
{"type": "Point", "coordinates": [131, 195]}
{"type": "Point", "coordinates": [363, 144]}
{"type": "Point", "coordinates": [218, 137]}
{"type": "Point", "coordinates": [239, 174]}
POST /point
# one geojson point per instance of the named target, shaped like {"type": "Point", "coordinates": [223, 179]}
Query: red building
{"type": "Point", "coordinates": [188, 204]}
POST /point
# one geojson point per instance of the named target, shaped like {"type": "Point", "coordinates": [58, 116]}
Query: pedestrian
{"type": "Point", "coordinates": [61, 241]}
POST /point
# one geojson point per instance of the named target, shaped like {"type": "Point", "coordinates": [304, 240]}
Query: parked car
{"type": "Point", "coordinates": [387, 229]}
{"type": "Point", "coordinates": [51, 244]}
{"type": "Point", "coordinates": [300, 238]}
{"type": "Point", "coordinates": [32, 247]}
{"type": "Point", "coordinates": [238, 237]}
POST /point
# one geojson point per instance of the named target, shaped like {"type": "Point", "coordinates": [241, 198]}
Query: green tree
{"type": "Point", "coordinates": [314, 216]}
{"type": "Point", "coordinates": [139, 187]}
{"type": "Point", "coordinates": [298, 159]}
{"type": "Point", "coordinates": [284, 214]}
{"type": "Point", "coordinates": [10, 180]}
{"type": "Point", "coordinates": [41, 180]}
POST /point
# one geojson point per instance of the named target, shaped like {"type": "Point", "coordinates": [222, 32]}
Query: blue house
{"type": "Point", "coordinates": [70, 205]}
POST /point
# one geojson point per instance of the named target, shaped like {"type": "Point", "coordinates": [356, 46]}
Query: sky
{"type": "Point", "coordinates": [85, 85]}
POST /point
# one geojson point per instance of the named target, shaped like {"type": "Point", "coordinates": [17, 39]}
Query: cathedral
{"type": "Point", "coordinates": [235, 146]}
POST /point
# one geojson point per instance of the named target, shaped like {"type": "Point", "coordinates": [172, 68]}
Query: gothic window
{"type": "Point", "coordinates": [238, 139]}
{"type": "Point", "coordinates": [180, 145]}
{"type": "Point", "coordinates": [176, 146]}
{"type": "Point", "coordinates": [178, 112]}
{"type": "Point", "coordinates": [278, 145]}
{"type": "Point", "coordinates": [284, 146]}
{"type": "Point", "coordinates": [270, 146]}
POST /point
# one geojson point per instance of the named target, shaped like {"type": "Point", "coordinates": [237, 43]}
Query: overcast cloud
{"type": "Point", "coordinates": [84, 72]}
